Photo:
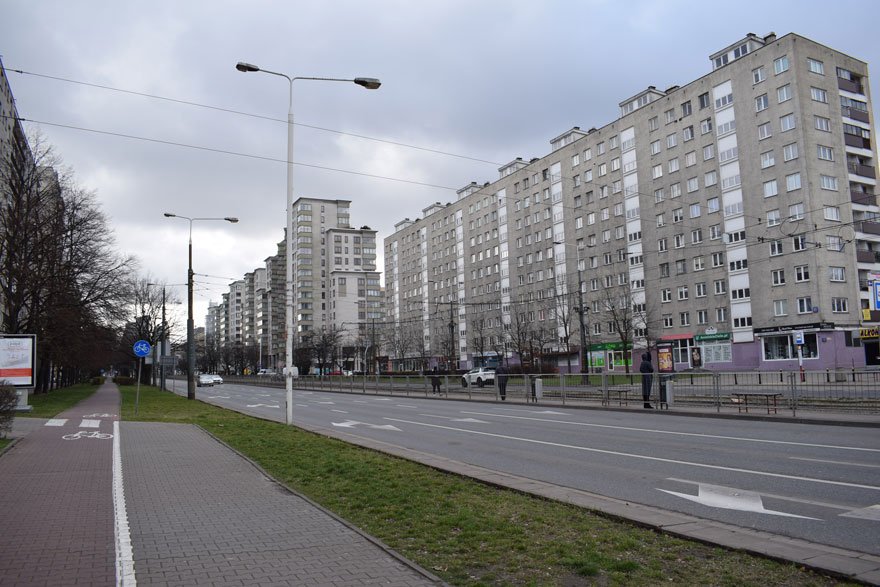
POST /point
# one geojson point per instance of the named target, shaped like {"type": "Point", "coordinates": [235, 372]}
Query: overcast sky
{"type": "Point", "coordinates": [472, 83]}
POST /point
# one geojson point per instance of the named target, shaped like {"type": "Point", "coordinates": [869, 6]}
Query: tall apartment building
{"type": "Point", "coordinates": [734, 216]}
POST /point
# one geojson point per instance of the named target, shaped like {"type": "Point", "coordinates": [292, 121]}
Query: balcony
{"type": "Point", "coordinates": [863, 198]}
{"type": "Point", "coordinates": [866, 256]}
{"type": "Point", "coordinates": [863, 170]}
{"type": "Point", "coordinates": [855, 114]}
{"type": "Point", "coordinates": [850, 86]}
{"type": "Point", "coordinates": [856, 141]}
{"type": "Point", "coordinates": [868, 227]}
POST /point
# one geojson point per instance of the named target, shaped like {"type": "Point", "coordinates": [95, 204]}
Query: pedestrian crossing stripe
{"type": "Point", "coordinates": [57, 422]}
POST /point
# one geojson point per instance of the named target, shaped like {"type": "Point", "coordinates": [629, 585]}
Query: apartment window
{"type": "Point", "coordinates": [693, 184]}
{"type": "Point", "coordinates": [758, 75]}
{"type": "Point", "coordinates": [739, 265]}
{"type": "Point", "coordinates": [670, 116]}
{"type": "Point", "coordinates": [660, 220]}
{"type": "Point", "coordinates": [720, 315]}
{"type": "Point", "coordinates": [832, 213]}
{"type": "Point", "coordinates": [653, 123]}
{"type": "Point", "coordinates": [816, 66]}
{"type": "Point", "coordinates": [823, 124]}
{"type": "Point", "coordinates": [702, 316]}
{"type": "Point", "coordinates": [675, 190]}
{"type": "Point", "coordinates": [837, 274]}
{"type": "Point", "coordinates": [805, 305]}
{"type": "Point", "coordinates": [717, 259]}
{"type": "Point", "coordinates": [666, 295]}
{"type": "Point", "coordinates": [700, 289]}
{"type": "Point", "coordinates": [613, 142]}
{"type": "Point", "coordinates": [664, 269]}
{"type": "Point", "coordinates": [770, 188]}
{"type": "Point", "coordinates": [796, 211]}
{"type": "Point", "coordinates": [799, 242]}
{"type": "Point", "coordinates": [655, 147]}
{"type": "Point", "coordinates": [773, 218]}
{"type": "Point", "coordinates": [819, 95]}
{"type": "Point", "coordinates": [780, 65]}
{"type": "Point", "coordinates": [790, 151]}
{"type": "Point", "coordinates": [792, 182]}
{"type": "Point", "coordinates": [662, 245]}
{"type": "Point", "coordinates": [699, 263]}
{"type": "Point", "coordinates": [742, 322]}
{"type": "Point", "coordinates": [839, 305]}
{"type": "Point", "coordinates": [686, 109]}
{"type": "Point", "coordinates": [787, 122]}
{"type": "Point", "coordinates": [708, 152]}
{"type": "Point", "coordinates": [777, 276]}
{"type": "Point", "coordinates": [684, 318]}
{"type": "Point", "coordinates": [825, 153]}
{"type": "Point", "coordinates": [776, 248]}
{"type": "Point", "coordinates": [658, 195]}
{"type": "Point", "coordinates": [677, 215]}
{"type": "Point", "coordinates": [704, 100]}
{"type": "Point", "coordinates": [767, 159]}
{"type": "Point", "coordinates": [740, 294]}
{"type": "Point", "coordinates": [723, 101]}
{"type": "Point", "coordinates": [827, 182]}
{"type": "Point", "coordinates": [603, 169]}
{"type": "Point", "coordinates": [802, 273]}
{"type": "Point", "coordinates": [783, 93]}
{"type": "Point", "coordinates": [667, 321]}
{"type": "Point", "coordinates": [780, 307]}
{"type": "Point", "coordinates": [711, 178]}
{"type": "Point", "coordinates": [696, 236]}
{"type": "Point", "coordinates": [678, 241]}
{"type": "Point", "coordinates": [761, 103]}
{"type": "Point", "coordinates": [715, 232]}
{"type": "Point", "coordinates": [615, 164]}
{"type": "Point", "coordinates": [687, 133]}
{"type": "Point", "coordinates": [673, 165]}
{"type": "Point", "coordinates": [690, 159]}
{"type": "Point", "coordinates": [720, 286]}
{"type": "Point", "coordinates": [764, 131]}
{"type": "Point", "coordinates": [834, 243]}
{"type": "Point", "coordinates": [683, 292]}
{"type": "Point", "coordinates": [706, 126]}
{"type": "Point", "coordinates": [671, 140]}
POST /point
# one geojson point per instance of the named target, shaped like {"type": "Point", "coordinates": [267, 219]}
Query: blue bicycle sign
{"type": "Point", "coordinates": [142, 348]}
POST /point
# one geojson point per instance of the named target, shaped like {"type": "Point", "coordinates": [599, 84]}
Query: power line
{"type": "Point", "coordinates": [248, 114]}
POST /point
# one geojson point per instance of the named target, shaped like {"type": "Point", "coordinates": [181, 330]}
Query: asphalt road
{"type": "Point", "coordinates": [809, 481]}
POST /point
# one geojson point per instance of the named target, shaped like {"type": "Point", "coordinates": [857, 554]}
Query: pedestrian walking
{"type": "Point", "coordinates": [647, 371]}
{"type": "Point", "coordinates": [501, 377]}
{"type": "Point", "coordinates": [435, 382]}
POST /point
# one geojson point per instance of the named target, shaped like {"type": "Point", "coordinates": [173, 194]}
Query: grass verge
{"type": "Point", "coordinates": [48, 405]}
{"type": "Point", "coordinates": [466, 532]}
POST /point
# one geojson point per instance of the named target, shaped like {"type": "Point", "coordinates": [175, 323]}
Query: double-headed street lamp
{"type": "Point", "coordinates": [190, 334]}
{"type": "Point", "coordinates": [365, 82]}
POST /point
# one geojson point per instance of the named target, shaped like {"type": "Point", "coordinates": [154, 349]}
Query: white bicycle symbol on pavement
{"type": "Point", "coordinates": [88, 434]}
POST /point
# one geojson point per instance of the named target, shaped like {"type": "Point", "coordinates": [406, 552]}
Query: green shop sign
{"type": "Point", "coordinates": [712, 337]}
{"type": "Point", "coordinates": [609, 346]}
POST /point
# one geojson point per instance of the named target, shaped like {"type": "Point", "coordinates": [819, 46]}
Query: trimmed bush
{"type": "Point", "coordinates": [97, 380]}
{"type": "Point", "coordinates": [8, 401]}
{"type": "Point", "coordinates": [124, 380]}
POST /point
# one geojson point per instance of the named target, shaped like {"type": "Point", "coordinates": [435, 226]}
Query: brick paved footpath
{"type": "Point", "coordinates": [199, 514]}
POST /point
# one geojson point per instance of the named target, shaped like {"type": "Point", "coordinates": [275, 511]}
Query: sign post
{"type": "Point", "coordinates": [141, 349]}
{"type": "Point", "coordinates": [799, 341]}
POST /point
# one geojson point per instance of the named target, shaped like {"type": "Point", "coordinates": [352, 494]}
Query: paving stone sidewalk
{"type": "Point", "coordinates": [200, 514]}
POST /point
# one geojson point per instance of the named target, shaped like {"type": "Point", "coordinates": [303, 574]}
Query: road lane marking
{"type": "Point", "coordinates": [869, 513]}
{"type": "Point", "coordinates": [728, 498]}
{"type": "Point", "coordinates": [823, 504]}
{"type": "Point", "coordinates": [56, 422]}
{"type": "Point", "coordinates": [674, 433]}
{"type": "Point", "coordinates": [339, 411]}
{"type": "Point", "coordinates": [406, 406]}
{"type": "Point", "coordinates": [125, 576]}
{"type": "Point", "coordinates": [835, 462]}
{"type": "Point", "coordinates": [643, 457]}
{"type": "Point", "coordinates": [470, 420]}
{"type": "Point", "coordinates": [90, 424]}
{"type": "Point", "coordinates": [262, 406]}
{"type": "Point", "coordinates": [353, 423]}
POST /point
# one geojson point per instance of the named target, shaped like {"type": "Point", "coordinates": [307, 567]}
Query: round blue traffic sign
{"type": "Point", "coordinates": [142, 348]}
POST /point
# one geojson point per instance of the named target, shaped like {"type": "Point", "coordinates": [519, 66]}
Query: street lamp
{"type": "Point", "coordinates": [581, 310]}
{"type": "Point", "coordinates": [365, 82]}
{"type": "Point", "coordinates": [190, 334]}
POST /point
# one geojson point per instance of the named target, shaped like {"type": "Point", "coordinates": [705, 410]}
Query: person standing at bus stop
{"type": "Point", "coordinates": [435, 381]}
{"type": "Point", "coordinates": [501, 376]}
{"type": "Point", "coordinates": [647, 371]}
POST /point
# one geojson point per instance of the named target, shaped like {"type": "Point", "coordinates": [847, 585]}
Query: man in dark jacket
{"type": "Point", "coordinates": [647, 371]}
{"type": "Point", "coordinates": [501, 378]}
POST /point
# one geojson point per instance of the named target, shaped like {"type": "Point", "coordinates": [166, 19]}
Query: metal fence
{"type": "Point", "coordinates": [852, 391]}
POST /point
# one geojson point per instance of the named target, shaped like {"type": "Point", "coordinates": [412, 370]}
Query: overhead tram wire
{"type": "Point", "coordinates": [226, 152]}
{"type": "Point", "coordinates": [248, 114]}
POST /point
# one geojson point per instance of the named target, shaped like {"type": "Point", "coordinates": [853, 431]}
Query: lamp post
{"type": "Point", "coordinates": [581, 310]}
{"type": "Point", "coordinates": [190, 334]}
{"type": "Point", "coordinates": [365, 82]}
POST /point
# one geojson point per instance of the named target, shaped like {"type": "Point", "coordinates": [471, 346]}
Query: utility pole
{"type": "Point", "coordinates": [162, 343]}
{"type": "Point", "coordinates": [452, 357]}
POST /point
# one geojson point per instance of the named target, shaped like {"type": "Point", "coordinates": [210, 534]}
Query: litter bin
{"type": "Point", "coordinates": [666, 393]}
{"type": "Point", "coordinates": [539, 388]}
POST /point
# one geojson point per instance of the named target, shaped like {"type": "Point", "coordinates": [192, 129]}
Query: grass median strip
{"type": "Point", "coordinates": [48, 405]}
{"type": "Point", "coordinates": [466, 532]}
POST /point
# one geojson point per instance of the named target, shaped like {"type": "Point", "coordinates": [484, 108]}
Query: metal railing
{"type": "Point", "coordinates": [852, 391]}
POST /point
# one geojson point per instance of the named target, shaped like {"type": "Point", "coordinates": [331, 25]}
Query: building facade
{"type": "Point", "coordinates": [734, 218]}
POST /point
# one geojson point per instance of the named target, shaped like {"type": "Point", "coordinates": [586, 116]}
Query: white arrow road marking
{"type": "Point", "coordinates": [90, 424]}
{"type": "Point", "coordinates": [471, 420]}
{"type": "Point", "coordinates": [339, 411]}
{"type": "Point", "coordinates": [56, 422]}
{"type": "Point", "coordinates": [262, 406]}
{"type": "Point", "coordinates": [353, 423]}
{"type": "Point", "coordinates": [869, 513]}
{"type": "Point", "coordinates": [405, 406]}
{"type": "Point", "coordinates": [728, 498]}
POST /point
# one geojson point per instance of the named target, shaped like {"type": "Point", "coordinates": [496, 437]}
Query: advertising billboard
{"type": "Point", "coordinates": [18, 355]}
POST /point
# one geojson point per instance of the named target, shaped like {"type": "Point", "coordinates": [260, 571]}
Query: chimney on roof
{"type": "Point", "coordinates": [771, 36]}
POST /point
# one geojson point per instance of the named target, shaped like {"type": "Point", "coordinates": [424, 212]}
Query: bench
{"type": "Point", "coordinates": [622, 395]}
{"type": "Point", "coordinates": [741, 399]}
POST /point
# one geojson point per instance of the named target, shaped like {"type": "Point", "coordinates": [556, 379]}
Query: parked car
{"type": "Point", "coordinates": [481, 376]}
{"type": "Point", "coordinates": [217, 379]}
{"type": "Point", "coordinates": [205, 380]}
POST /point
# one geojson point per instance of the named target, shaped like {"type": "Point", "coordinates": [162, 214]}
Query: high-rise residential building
{"type": "Point", "coordinates": [734, 219]}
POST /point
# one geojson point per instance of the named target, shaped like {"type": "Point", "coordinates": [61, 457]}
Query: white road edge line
{"type": "Point", "coordinates": [846, 463]}
{"type": "Point", "coordinates": [125, 576]}
{"type": "Point", "coordinates": [644, 457]}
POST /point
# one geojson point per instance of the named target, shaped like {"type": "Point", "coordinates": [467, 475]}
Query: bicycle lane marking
{"type": "Point", "coordinates": [125, 574]}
